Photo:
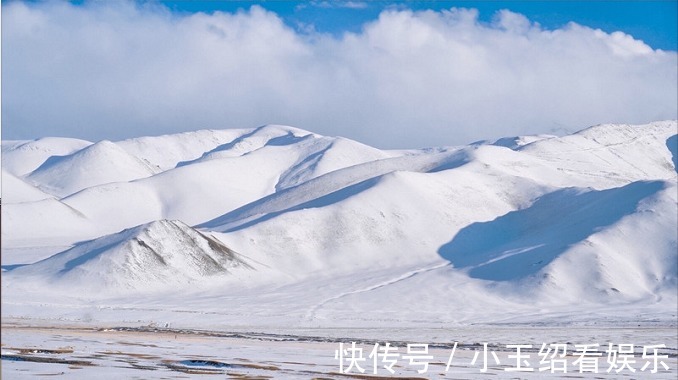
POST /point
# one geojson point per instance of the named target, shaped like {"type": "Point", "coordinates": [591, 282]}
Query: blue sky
{"type": "Point", "coordinates": [654, 22]}
{"type": "Point", "coordinates": [388, 74]}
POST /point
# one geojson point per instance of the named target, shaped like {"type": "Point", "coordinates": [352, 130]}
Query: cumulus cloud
{"type": "Point", "coordinates": [115, 70]}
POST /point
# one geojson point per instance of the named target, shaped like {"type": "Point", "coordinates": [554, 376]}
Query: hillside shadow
{"type": "Point", "coordinates": [288, 139]}
{"type": "Point", "coordinates": [324, 190]}
{"type": "Point", "coordinates": [221, 148]}
{"type": "Point", "coordinates": [325, 200]}
{"type": "Point", "coordinates": [672, 144]}
{"type": "Point", "coordinates": [88, 255]}
{"type": "Point", "coordinates": [522, 242]}
{"type": "Point", "coordinates": [11, 267]}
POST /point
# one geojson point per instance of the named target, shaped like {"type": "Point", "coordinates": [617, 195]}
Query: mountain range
{"type": "Point", "coordinates": [317, 229]}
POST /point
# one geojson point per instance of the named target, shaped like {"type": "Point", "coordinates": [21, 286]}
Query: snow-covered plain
{"type": "Point", "coordinates": [276, 230]}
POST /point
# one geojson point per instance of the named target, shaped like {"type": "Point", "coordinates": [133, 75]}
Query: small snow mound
{"type": "Point", "coordinates": [22, 157]}
{"type": "Point", "coordinates": [96, 164]}
{"type": "Point", "coordinates": [148, 256]}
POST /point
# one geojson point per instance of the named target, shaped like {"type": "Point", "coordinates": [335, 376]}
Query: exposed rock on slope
{"type": "Point", "coordinates": [157, 253]}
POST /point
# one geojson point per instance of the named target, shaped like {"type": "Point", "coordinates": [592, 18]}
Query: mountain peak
{"type": "Point", "coordinates": [153, 254]}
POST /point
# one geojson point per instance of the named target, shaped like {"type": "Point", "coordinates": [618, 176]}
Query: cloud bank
{"type": "Point", "coordinates": [110, 70]}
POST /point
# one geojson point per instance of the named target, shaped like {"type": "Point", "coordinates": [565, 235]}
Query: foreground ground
{"type": "Point", "coordinates": [69, 351]}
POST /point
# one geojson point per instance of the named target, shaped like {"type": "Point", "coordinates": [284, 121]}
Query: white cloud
{"type": "Point", "coordinates": [114, 70]}
{"type": "Point", "coordinates": [338, 4]}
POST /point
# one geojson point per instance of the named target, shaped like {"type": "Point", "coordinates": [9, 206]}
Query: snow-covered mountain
{"type": "Point", "coordinates": [157, 254]}
{"type": "Point", "coordinates": [333, 226]}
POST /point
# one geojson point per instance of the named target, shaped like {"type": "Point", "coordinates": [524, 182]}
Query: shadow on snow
{"type": "Point", "coordinates": [672, 144]}
{"type": "Point", "coordinates": [522, 242]}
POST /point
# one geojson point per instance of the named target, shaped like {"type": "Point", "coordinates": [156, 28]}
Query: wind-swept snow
{"type": "Point", "coordinates": [608, 154]}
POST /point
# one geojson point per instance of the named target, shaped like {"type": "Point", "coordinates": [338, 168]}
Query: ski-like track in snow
{"type": "Point", "coordinates": [311, 314]}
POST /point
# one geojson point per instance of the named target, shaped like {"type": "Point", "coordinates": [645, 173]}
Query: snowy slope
{"type": "Point", "coordinates": [165, 152]}
{"type": "Point", "coordinates": [335, 227]}
{"type": "Point", "coordinates": [54, 223]}
{"type": "Point", "coordinates": [16, 190]}
{"type": "Point", "coordinates": [629, 251]}
{"type": "Point", "coordinates": [22, 157]}
{"type": "Point", "coordinates": [99, 163]}
{"type": "Point", "coordinates": [612, 153]}
{"type": "Point", "coordinates": [156, 254]}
